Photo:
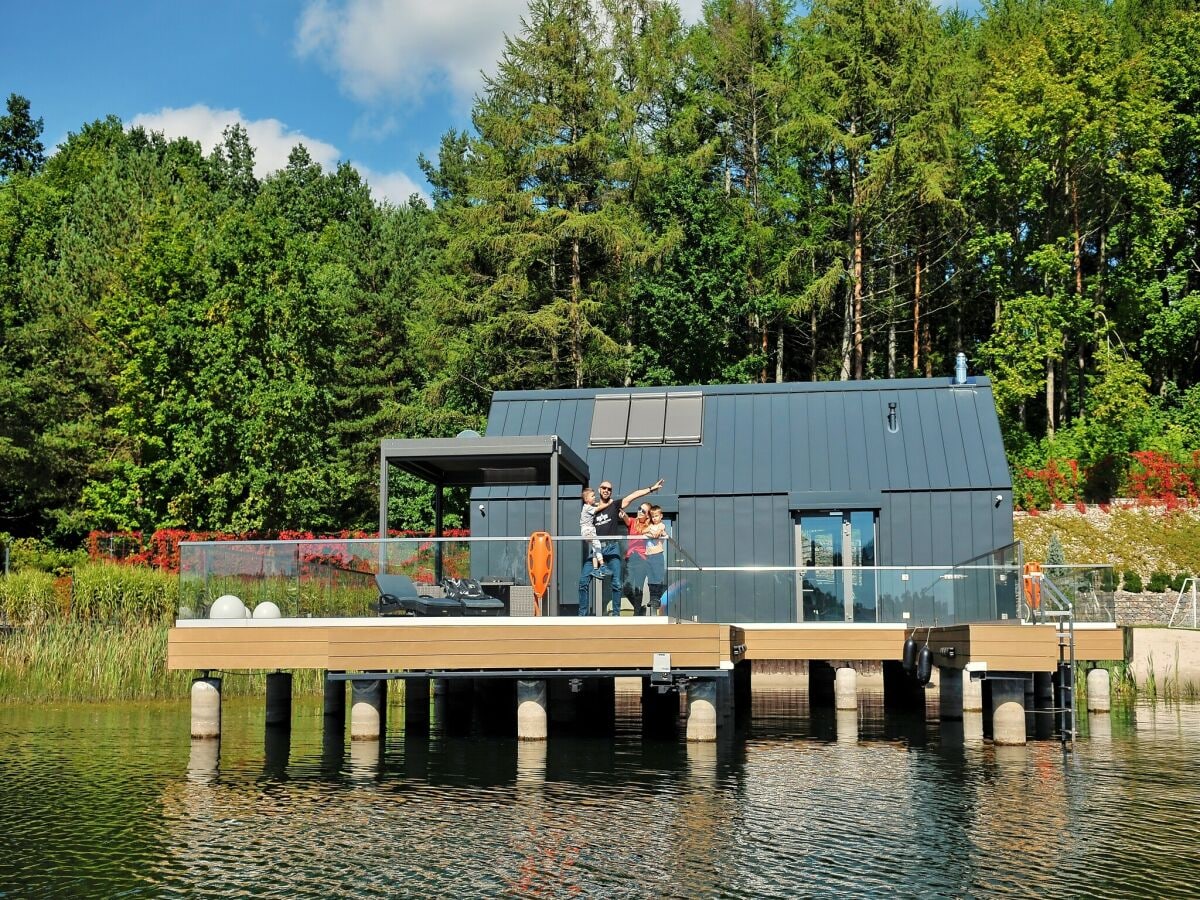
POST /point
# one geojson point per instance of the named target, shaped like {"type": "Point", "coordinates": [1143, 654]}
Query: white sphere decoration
{"type": "Point", "coordinates": [227, 606]}
{"type": "Point", "coordinates": [266, 610]}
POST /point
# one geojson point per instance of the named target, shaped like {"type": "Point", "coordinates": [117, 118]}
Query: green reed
{"type": "Point", "coordinates": [29, 597]}
{"type": "Point", "coordinates": [98, 662]}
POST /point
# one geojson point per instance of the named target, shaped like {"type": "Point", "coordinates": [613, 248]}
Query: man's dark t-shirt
{"type": "Point", "coordinates": [608, 522]}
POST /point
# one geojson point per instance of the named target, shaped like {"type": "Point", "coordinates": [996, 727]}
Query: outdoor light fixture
{"type": "Point", "coordinates": [893, 418]}
{"type": "Point", "coordinates": [483, 510]}
{"type": "Point", "coordinates": [999, 500]}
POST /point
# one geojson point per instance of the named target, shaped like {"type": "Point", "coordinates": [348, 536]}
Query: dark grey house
{"type": "Point", "coordinates": [797, 479]}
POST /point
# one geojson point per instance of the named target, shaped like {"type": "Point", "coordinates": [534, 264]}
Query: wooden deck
{"type": "Point", "coordinates": [450, 644]}
{"type": "Point", "coordinates": [533, 644]}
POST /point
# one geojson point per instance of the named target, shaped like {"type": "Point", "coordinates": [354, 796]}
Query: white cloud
{"type": "Point", "coordinates": [394, 187]}
{"type": "Point", "coordinates": [400, 48]}
{"type": "Point", "coordinates": [272, 142]}
{"type": "Point", "coordinates": [271, 139]}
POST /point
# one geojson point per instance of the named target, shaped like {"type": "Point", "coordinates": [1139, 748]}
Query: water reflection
{"type": "Point", "coordinates": [793, 807]}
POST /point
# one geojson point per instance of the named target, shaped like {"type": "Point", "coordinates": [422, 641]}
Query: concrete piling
{"type": "Point", "coordinates": [972, 693]}
{"type": "Point", "coordinates": [279, 699]}
{"type": "Point", "coordinates": [531, 711]}
{"type": "Point", "coordinates": [1098, 699]}
{"type": "Point", "coordinates": [845, 689]}
{"type": "Point", "coordinates": [1008, 711]}
{"type": "Point", "coordinates": [206, 708]}
{"type": "Point", "coordinates": [702, 710]}
{"type": "Point", "coordinates": [368, 711]}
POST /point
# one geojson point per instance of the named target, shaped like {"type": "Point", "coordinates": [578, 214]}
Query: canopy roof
{"type": "Point", "coordinates": [482, 461]}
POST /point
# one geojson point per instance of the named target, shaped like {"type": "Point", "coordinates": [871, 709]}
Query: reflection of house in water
{"type": "Point", "coordinates": [807, 478]}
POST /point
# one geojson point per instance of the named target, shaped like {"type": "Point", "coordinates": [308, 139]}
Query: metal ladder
{"type": "Point", "coordinates": [1188, 590]}
{"type": "Point", "coordinates": [1063, 617]}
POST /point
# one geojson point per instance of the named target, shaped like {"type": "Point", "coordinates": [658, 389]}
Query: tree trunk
{"type": "Point", "coordinates": [576, 316]}
{"type": "Point", "coordinates": [916, 355]}
{"type": "Point", "coordinates": [1049, 397]}
{"type": "Point", "coordinates": [779, 355]}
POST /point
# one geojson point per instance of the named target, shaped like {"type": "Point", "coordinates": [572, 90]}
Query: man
{"type": "Point", "coordinates": [611, 525]}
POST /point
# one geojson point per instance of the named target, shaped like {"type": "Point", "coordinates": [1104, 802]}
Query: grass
{"type": "Point", "coordinates": [101, 662]}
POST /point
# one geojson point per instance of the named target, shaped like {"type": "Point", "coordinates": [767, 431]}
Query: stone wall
{"type": "Point", "coordinates": [1145, 608]}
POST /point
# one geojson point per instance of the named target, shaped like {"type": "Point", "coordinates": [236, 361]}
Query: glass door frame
{"type": "Point", "coordinates": [842, 556]}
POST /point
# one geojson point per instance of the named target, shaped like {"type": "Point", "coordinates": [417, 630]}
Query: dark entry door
{"type": "Point", "coordinates": [832, 549]}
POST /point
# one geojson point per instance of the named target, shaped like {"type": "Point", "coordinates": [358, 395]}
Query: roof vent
{"type": "Point", "coordinates": [960, 369]}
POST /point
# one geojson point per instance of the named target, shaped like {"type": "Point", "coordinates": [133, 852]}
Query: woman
{"type": "Point", "coordinates": [635, 558]}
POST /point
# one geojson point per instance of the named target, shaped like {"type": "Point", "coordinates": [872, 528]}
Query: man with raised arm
{"type": "Point", "coordinates": [611, 525]}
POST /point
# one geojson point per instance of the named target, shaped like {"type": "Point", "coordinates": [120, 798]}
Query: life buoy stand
{"type": "Point", "coordinates": [540, 559]}
{"type": "Point", "coordinates": [1033, 586]}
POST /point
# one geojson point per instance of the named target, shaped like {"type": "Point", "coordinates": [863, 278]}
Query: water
{"type": "Point", "coordinates": [113, 801]}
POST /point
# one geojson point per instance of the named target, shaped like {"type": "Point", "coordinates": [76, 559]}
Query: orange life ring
{"type": "Point", "coordinates": [540, 559]}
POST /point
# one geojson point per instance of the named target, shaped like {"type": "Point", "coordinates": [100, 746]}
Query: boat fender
{"type": "Point", "coordinates": [909, 657]}
{"type": "Point", "coordinates": [924, 665]}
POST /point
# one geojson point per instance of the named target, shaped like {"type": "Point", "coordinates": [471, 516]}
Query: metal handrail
{"type": "Point", "coordinates": [1182, 591]}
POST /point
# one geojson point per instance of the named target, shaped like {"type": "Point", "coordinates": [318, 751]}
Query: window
{"type": "Point", "coordinates": [644, 420]}
{"type": "Point", "coordinates": [610, 421]}
{"type": "Point", "coordinates": [685, 418]}
{"type": "Point", "coordinates": [647, 418]}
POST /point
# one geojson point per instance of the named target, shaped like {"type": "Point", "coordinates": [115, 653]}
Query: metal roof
{"type": "Point", "coordinates": [799, 438]}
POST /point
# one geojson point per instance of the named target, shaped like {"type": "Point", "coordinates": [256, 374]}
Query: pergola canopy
{"type": "Point", "coordinates": [472, 461]}
{"type": "Point", "coordinates": [485, 461]}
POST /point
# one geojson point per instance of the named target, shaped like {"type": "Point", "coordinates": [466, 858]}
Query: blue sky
{"type": "Point", "coordinates": [370, 81]}
{"type": "Point", "coordinates": [375, 82]}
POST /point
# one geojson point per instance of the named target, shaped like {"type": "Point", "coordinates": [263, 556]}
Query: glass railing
{"type": "Point", "coordinates": [342, 577]}
{"type": "Point", "coordinates": [424, 576]}
{"type": "Point", "coordinates": [1089, 589]}
{"type": "Point", "coordinates": [915, 595]}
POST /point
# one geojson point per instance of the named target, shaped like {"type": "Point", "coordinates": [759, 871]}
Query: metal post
{"type": "Point", "coordinates": [438, 498]}
{"type": "Point", "coordinates": [552, 589]}
{"type": "Point", "coordinates": [383, 510]}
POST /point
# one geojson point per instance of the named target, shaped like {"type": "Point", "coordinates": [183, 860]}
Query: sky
{"type": "Point", "coordinates": [373, 82]}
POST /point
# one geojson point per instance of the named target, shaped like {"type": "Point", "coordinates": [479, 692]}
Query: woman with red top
{"type": "Point", "coordinates": [635, 558]}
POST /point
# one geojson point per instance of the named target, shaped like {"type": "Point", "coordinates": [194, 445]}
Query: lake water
{"type": "Point", "coordinates": [112, 801]}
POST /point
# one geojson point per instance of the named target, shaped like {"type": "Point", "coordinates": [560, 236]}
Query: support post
{"type": "Point", "coordinates": [660, 710]}
{"type": "Point", "coordinates": [950, 692]}
{"type": "Point", "coordinates": [369, 710]}
{"type": "Point", "coordinates": [972, 693]}
{"type": "Point", "coordinates": [1098, 699]}
{"type": "Point", "coordinates": [531, 711]}
{"type": "Point", "coordinates": [279, 700]}
{"type": "Point", "coordinates": [335, 700]}
{"type": "Point", "coordinates": [1008, 711]}
{"type": "Point", "coordinates": [206, 708]}
{"type": "Point", "coordinates": [552, 589]}
{"type": "Point", "coordinates": [702, 710]}
{"type": "Point", "coordinates": [845, 689]}
{"type": "Point", "coordinates": [416, 705]}
{"type": "Point", "coordinates": [820, 684]}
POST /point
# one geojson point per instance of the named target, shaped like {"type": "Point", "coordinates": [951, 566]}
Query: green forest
{"type": "Point", "coordinates": [844, 189]}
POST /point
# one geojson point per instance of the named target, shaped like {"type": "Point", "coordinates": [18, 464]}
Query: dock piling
{"type": "Point", "coordinates": [279, 699]}
{"type": "Point", "coordinates": [1098, 699]}
{"type": "Point", "coordinates": [845, 689]}
{"type": "Point", "coordinates": [950, 693]}
{"type": "Point", "coordinates": [531, 710]}
{"type": "Point", "coordinates": [1008, 711]}
{"type": "Point", "coordinates": [206, 708]}
{"type": "Point", "coordinates": [416, 705]}
{"type": "Point", "coordinates": [369, 710]}
{"type": "Point", "coordinates": [702, 710]}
